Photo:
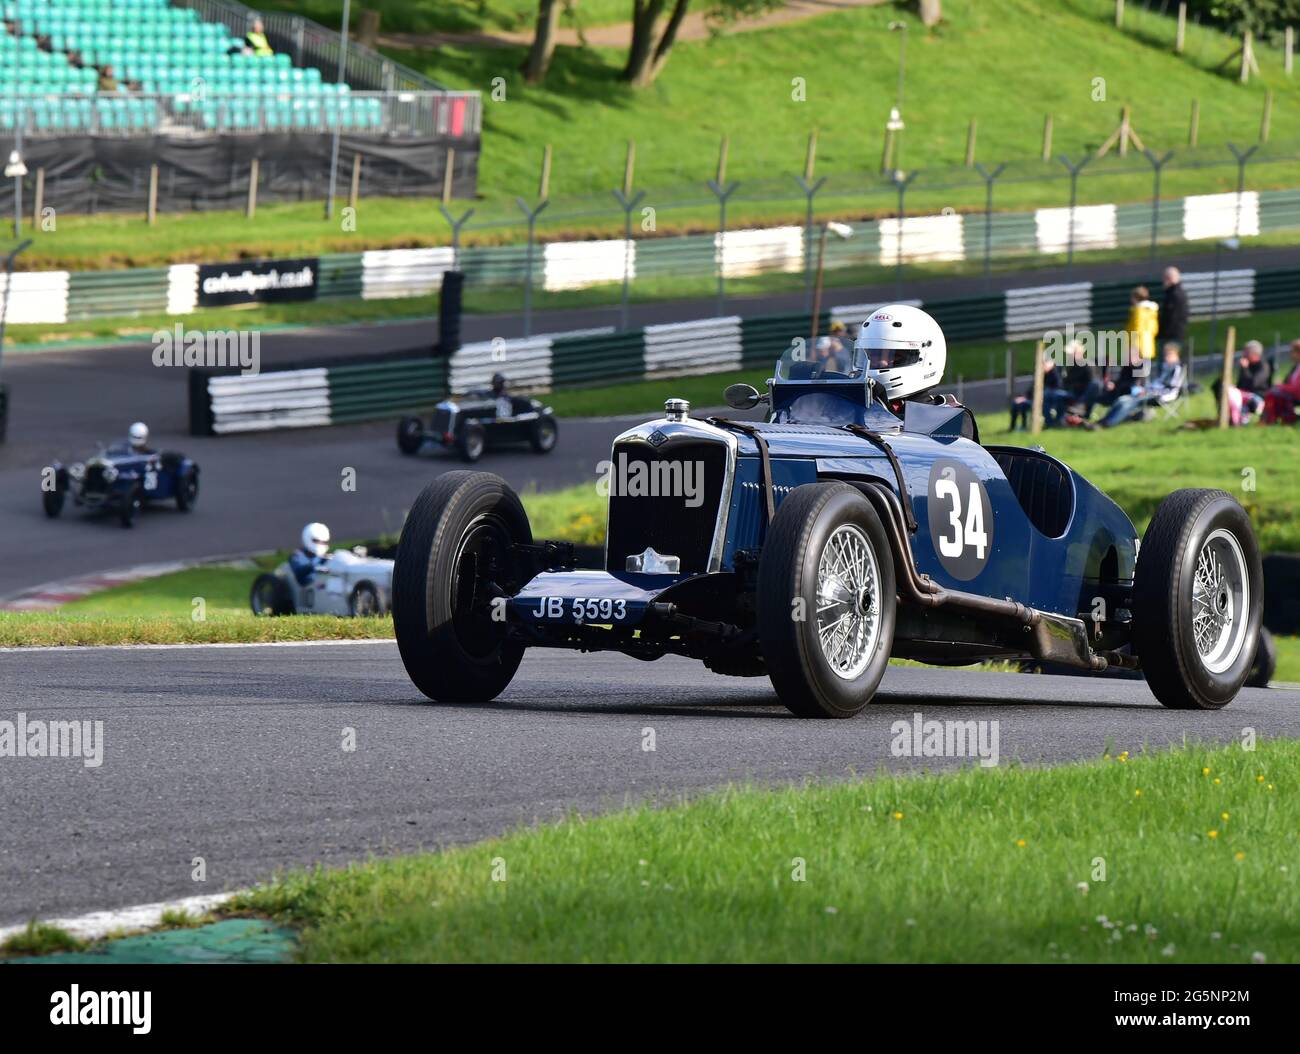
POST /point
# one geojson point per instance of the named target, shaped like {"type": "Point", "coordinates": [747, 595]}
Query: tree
{"type": "Point", "coordinates": [539, 57]}
{"type": "Point", "coordinates": [647, 54]}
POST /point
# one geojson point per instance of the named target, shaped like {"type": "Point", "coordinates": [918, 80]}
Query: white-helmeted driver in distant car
{"type": "Point", "coordinates": [137, 438]}
{"type": "Point", "coordinates": [313, 553]}
{"type": "Point", "coordinates": [905, 351]}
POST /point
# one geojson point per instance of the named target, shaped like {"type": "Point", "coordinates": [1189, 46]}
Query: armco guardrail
{"type": "Point", "coordinates": [386, 386]}
{"type": "Point", "coordinates": [394, 273]}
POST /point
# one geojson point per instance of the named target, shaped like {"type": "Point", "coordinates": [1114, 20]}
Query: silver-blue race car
{"type": "Point", "coordinates": [862, 519]}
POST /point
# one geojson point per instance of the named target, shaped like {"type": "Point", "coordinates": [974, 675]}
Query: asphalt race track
{"type": "Point", "coordinates": [235, 754]}
{"type": "Point", "coordinates": [257, 490]}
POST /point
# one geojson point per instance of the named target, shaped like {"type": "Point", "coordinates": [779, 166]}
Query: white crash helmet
{"type": "Point", "coordinates": [316, 539]}
{"type": "Point", "coordinates": [138, 434]}
{"type": "Point", "coordinates": [905, 349]}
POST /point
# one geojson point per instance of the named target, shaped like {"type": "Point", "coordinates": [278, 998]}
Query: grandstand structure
{"type": "Point", "coordinates": [96, 93]}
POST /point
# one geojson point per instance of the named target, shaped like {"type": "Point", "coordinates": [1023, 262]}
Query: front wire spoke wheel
{"type": "Point", "coordinates": [848, 608]}
{"type": "Point", "coordinates": [1220, 597]}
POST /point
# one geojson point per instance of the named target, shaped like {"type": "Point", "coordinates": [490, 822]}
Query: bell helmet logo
{"type": "Point", "coordinates": [882, 318]}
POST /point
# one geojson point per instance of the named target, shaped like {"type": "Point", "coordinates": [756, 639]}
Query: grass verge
{"type": "Point", "coordinates": [40, 938]}
{"type": "Point", "coordinates": [1182, 856]}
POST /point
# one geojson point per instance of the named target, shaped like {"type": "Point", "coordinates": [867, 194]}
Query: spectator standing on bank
{"type": "Point", "coordinates": [1173, 310]}
{"type": "Point", "coordinates": [1143, 325]}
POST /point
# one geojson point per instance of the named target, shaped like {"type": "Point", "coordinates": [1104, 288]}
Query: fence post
{"type": "Point", "coordinates": [254, 175]}
{"type": "Point", "coordinates": [1243, 158]}
{"type": "Point", "coordinates": [1181, 35]}
{"type": "Point", "coordinates": [1156, 164]}
{"type": "Point", "coordinates": [722, 190]}
{"type": "Point", "coordinates": [1074, 198]}
{"type": "Point", "coordinates": [988, 178]}
{"type": "Point", "coordinates": [1036, 405]}
{"type": "Point", "coordinates": [543, 193]}
{"type": "Point", "coordinates": [810, 189]}
{"type": "Point", "coordinates": [1047, 137]}
{"type": "Point", "coordinates": [152, 213]}
{"type": "Point", "coordinates": [38, 203]}
{"type": "Point", "coordinates": [901, 182]}
{"type": "Point", "coordinates": [1228, 349]}
{"type": "Point", "coordinates": [970, 143]}
{"type": "Point", "coordinates": [1268, 115]}
{"type": "Point", "coordinates": [628, 201]}
{"type": "Point", "coordinates": [1119, 14]}
{"type": "Point", "coordinates": [355, 193]}
{"type": "Point", "coordinates": [1288, 44]}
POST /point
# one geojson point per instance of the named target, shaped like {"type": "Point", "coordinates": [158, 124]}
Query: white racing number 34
{"type": "Point", "coordinates": [967, 530]}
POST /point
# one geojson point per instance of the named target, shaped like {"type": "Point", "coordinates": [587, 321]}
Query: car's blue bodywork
{"type": "Point", "coordinates": [1045, 538]}
{"type": "Point", "coordinates": [118, 474]}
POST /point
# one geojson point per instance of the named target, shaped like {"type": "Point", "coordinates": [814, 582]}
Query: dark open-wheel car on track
{"type": "Point", "coordinates": [859, 521]}
{"type": "Point", "coordinates": [476, 422]}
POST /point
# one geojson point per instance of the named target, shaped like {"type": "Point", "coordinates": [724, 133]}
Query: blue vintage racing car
{"type": "Point", "coordinates": [862, 519]}
{"type": "Point", "coordinates": [121, 479]}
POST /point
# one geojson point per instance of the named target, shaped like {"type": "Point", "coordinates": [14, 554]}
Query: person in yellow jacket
{"type": "Point", "coordinates": [255, 40]}
{"type": "Point", "coordinates": [1143, 324]}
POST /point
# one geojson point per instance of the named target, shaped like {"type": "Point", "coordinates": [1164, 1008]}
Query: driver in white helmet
{"type": "Point", "coordinates": [905, 351]}
{"type": "Point", "coordinates": [137, 438]}
{"type": "Point", "coordinates": [314, 552]}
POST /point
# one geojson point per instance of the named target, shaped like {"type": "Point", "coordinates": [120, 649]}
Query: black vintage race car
{"type": "Point", "coordinates": [121, 480]}
{"type": "Point", "coordinates": [471, 423]}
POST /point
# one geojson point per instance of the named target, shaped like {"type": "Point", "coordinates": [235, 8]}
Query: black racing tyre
{"type": "Point", "coordinates": [270, 595]}
{"type": "Point", "coordinates": [453, 561]}
{"type": "Point", "coordinates": [1265, 664]}
{"type": "Point", "coordinates": [128, 505]}
{"type": "Point", "coordinates": [826, 601]}
{"type": "Point", "coordinates": [410, 435]}
{"type": "Point", "coordinates": [1197, 600]}
{"type": "Point", "coordinates": [472, 442]}
{"type": "Point", "coordinates": [365, 601]}
{"type": "Point", "coordinates": [52, 502]}
{"type": "Point", "coordinates": [544, 435]}
{"type": "Point", "coordinates": [187, 490]}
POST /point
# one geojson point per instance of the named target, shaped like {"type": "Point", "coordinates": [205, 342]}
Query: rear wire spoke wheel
{"type": "Point", "coordinates": [1197, 600]}
{"type": "Point", "coordinates": [454, 566]}
{"type": "Point", "coordinates": [826, 600]}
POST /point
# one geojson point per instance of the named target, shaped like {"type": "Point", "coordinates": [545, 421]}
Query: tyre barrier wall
{"type": "Point", "coordinates": [331, 392]}
{"type": "Point", "coordinates": [55, 297]}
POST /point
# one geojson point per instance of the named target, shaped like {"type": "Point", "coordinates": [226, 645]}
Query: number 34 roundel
{"type": "Point", "coordinates": [961, 519]}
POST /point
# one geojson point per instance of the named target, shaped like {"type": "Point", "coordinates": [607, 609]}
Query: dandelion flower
{"type": "Point", "coordinates": [1205, 772]}
{"type": "Point", "coordinates": [1020, 843]}
{"type": "Point", "coordinates": [1239, 855]}
{"type": "Point", "coordinates": [898, 816]}
{"type": "Point", "coordinates": [1258, 957]}
{"type": "Point", "coordinates": [1217, 782]}
{"type": "Point", "coordinates": [1168, 950]}
{"type": "Point", "coordinates": [1223, 815]}
{"type": "Point", "coordinates": [1213, 834]}
{"type": "Point", "coordinates": [1082, 887]}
